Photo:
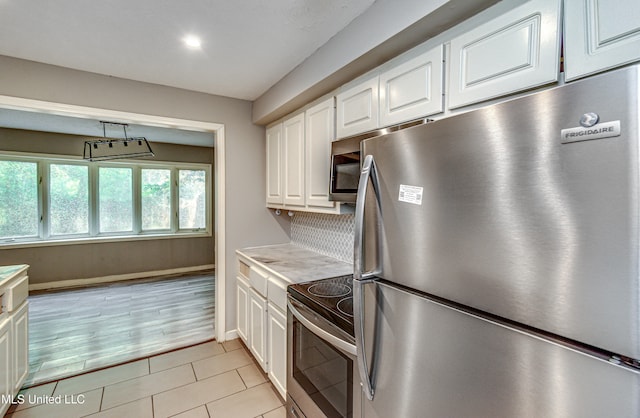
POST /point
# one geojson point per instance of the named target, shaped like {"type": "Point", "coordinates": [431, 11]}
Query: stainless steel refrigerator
{"type": "Point", "coordinates": [497, 259]}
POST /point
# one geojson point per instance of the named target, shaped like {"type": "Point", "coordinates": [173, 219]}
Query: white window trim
{"type": "Point", "coordinates": [94, 235]}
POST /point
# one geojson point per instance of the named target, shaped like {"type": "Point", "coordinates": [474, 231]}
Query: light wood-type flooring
{"type": "Point", "coordinates": [78, 330]}
{"type": "Point", "coordinates": [206, 380]}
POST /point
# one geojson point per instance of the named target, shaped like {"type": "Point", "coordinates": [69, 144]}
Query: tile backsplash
{"type": "Point", "coordinates": [331, 235]}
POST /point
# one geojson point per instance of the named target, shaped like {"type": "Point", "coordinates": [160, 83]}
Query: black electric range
{"type": "Point", "coordinates": [331, 298]}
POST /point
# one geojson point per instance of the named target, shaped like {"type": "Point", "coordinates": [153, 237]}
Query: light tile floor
{"type": "Point", "coordinates": [206, 380]}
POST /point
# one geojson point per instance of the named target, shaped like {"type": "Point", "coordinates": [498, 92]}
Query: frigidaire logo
{"type": "Point", "coordinates": [599, 131]}
{"type": "Point", "coordinates": [590, 131]}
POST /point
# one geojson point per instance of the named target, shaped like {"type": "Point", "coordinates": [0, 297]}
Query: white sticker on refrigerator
{"type": "Point", "coordinates": [410, 194]}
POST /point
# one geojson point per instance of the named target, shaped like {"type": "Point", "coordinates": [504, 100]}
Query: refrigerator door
{"type": "Point", "coordinates": [492, 210]}
{"type": "Point", "coordinates": [431, 360]}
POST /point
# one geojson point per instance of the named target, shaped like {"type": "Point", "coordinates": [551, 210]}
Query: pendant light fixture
{"type": "Point", "coordinates": [116, 148]}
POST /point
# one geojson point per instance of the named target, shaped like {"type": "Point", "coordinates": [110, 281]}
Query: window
{"type": "Point", "coordinates": [52, 199]}
{"type": "Point", "coordinates": [192, 199]}
{"type": "Point", "coordinates": [156, 199]}
{"type": "Point", "coordinates": [68, 199]}
{"type": "Point", "coordinates": [115, 199]}
{"type": "Point", "coordinates": [19, 215]}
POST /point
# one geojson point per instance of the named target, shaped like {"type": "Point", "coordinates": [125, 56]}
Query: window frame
{"type": "Point", "coordinates": [40, 208]}
{"type": "Point", "coordinates": [45, 238]}
{"type": "Point", "coordinates": [134, 214]}
{"type": "Point", "coordinates": [172, 203]}
{"type": "Point", "coordinates": [44, 174]}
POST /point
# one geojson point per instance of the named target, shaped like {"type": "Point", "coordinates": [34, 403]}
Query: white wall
{"type": "Point", "coordinates": [248, 222]}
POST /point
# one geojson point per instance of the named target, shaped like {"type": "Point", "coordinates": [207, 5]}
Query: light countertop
{"type": "Point", "coordinates": [295, 264]}
{"type": "Point", "coordinates": [9, 272]}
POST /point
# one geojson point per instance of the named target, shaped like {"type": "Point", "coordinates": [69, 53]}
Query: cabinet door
{"type": "Point", "coordinates": [242, 306]}
{"type": "Point", "coordinates": [319, 125]}
{"type": "Point", "coordinates": [278, 349]}
{"type": "Point", "coordinates": [20, 320]}
{"type": "Point", "coordinates": [6, 365]}
{"type": "Point", "coordinates": [412, 89]}
{"type": "Point", "coordinates": [599, 35]}
{"type": "Point", "coordinates": [517, 50]}
{"type": "Point", "coordinates": [274, 165]}
{"type": "Point", "coordinates": [357, 109]}
{"type": "Point", "coordinates": [258, 327]}
{"type": "Point", "coordinates": [293, 136]}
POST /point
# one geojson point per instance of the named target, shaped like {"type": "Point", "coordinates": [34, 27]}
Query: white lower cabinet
{"type": "Point", "coordinates": [277, 348]}
{"type": "Point", "coordinates": [20, 329]}
{"type": "Point", "coordinates": [14, 332]}
{"type": "Point", "coordinates": [262, 319]}
{"type": "Point", "coordinates": [242, 304]}
{"type": "Point", "coordinates": [600, 35]}
{"type": "Point", "coordinates": [258, 327]}
{"type": "Point", "coordinates": [6, 361]}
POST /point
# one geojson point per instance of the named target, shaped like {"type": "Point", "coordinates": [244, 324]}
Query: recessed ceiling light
{"type": "Point", "coordinates": [192, 42]}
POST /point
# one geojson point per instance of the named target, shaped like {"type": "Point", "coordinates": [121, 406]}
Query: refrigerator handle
{"type": "Point", "coordinates": [361, 355]}
{"type": "Point", "coordinates": [360, 277]}
{"type": "Point", "coordinates": [368, 172]}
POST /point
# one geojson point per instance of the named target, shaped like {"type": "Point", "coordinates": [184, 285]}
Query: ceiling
{"type": "Point", "coordinates": [247, 45]}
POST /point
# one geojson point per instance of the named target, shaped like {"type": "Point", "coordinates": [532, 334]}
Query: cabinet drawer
{"type": "Point", "coordinates": [16, 293]}
{"type": "Point", "coordinates": [258, 280]}
{"type": "Point", "coordinates": [277, 291]}
{"type": "Point", "coordinates": [244, 269]}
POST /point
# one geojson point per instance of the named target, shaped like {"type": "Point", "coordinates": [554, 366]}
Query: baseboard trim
{"type": "Point", "coordinates": [230, 335]}
{"type": "Point", "coordinates": [117, 278]}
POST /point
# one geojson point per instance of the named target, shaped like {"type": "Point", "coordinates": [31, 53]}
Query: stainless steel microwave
{"type": "Point", "coordinates": [345, 169]}
{"type": "Point", "coordinates": [345, 162]}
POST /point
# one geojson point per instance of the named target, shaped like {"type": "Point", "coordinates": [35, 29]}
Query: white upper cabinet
{"type": "Point", "coordinates": [600, 35]}
{"type": "Point", "coordinates": [293, 137]}
{"type": "Point", "coordinates": [319, 125]}
{"type": "Point", "coordinates": [413, 89]}
{"type": "Point", "coordinates": [357, 108]}
{"type": "Point", "coordinates": [515, 51]}
{"type": "Point", "coordinates": [274, 165]}
{"type": "Point", "coordinates": [299, 159]}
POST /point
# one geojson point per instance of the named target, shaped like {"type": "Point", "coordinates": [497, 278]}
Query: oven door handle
{"type": "Point", "coordinates": [302, 314]}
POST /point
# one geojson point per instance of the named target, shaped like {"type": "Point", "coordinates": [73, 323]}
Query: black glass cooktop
{"type": "Point", "coordinates": [332, 298]}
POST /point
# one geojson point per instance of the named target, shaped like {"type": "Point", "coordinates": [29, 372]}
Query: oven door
{"type": "Point", "coordinates": [321, 377]}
